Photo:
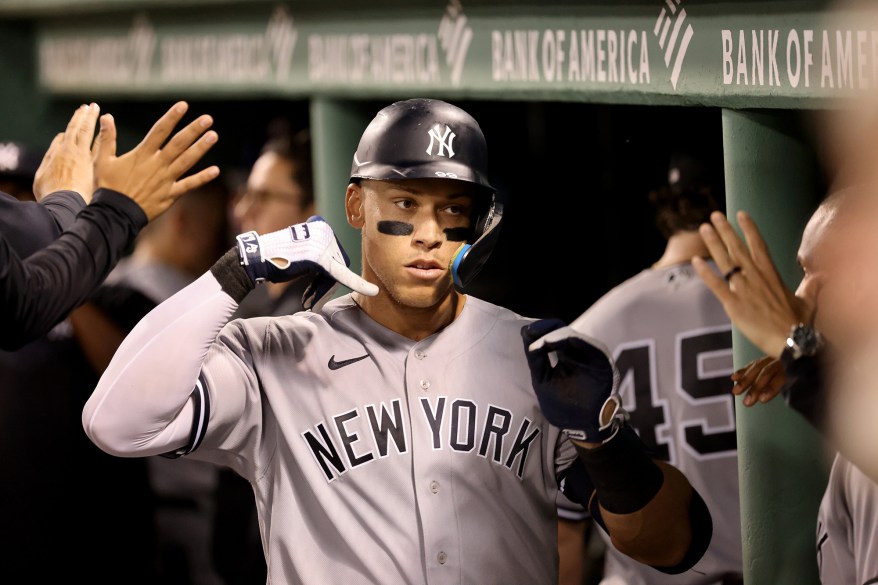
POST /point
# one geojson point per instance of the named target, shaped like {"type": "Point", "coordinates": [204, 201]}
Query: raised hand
{"type": "Point", "coordinates": [748, 285]}
{"type": "Point", "coordinates": [68, 164]}
{"type": "Point", "coordinates": [150, 172]}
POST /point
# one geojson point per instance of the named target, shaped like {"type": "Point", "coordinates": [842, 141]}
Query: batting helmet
{"type": "Point", "coordinates": [427, 138]}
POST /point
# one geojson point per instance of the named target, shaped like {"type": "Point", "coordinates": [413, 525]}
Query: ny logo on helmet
{"type": "Point", "coordinates": [444, 141]}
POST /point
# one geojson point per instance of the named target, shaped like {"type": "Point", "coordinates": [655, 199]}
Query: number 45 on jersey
{"type": "Point", "coordinates": [687, 408]}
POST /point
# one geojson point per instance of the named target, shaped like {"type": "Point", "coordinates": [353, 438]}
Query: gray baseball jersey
{"type": "Point", "coordinates": [373, 458]}
{"type": "Point", "coordinates": [847, 527]}
{"type": "Point", "coordinates": [672, 343]}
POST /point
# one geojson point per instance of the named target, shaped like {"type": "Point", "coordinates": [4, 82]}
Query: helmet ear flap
{"type": "Point", "coordinates": [470, 258]}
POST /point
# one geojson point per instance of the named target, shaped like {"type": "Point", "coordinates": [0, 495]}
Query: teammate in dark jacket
{"type": "Point", "coordinates": [38, 290]}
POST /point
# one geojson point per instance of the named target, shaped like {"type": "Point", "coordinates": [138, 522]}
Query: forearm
{"type": "Point", "coordinates": [141, 405]}
{"type": "Point", "coordinates": [30, 226]}
{"type": "Point", "coordinates": [41, 290]}
{"type": "Point", "coordinates": [63, 206]}
{"type": "Point", "coordinates": [571, 551]}
{"type": "Point", "coordinates": [649, 509]}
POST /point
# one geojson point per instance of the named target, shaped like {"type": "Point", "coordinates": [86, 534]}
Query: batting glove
{"type": "Point", "coordinates": [575, 380]}
{"type": "Point", "coordinates": [304, 249]}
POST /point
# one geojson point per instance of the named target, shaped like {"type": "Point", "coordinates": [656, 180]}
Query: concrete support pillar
{"type": "Point", "coordinates": [771, 172]}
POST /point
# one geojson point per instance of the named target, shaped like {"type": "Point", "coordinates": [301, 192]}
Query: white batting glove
{"type": "Point", "coordinates": [309, 248]}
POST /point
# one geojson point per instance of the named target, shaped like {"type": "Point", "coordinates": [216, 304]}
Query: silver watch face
{"type": "Point", "coordinates": [805, 340]}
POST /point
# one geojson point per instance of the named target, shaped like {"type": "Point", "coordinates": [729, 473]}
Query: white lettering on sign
{"type": "Point", "coordinates": [120, 60]}
{"type": "Point", "coordinates": [362, 58]}
{"type": "Point", "coordinates": [583, 56]}
{"type": "Point", "coordinates": [395, 58]}
{"type": "Point", "coordinates": [236, 58]}
{"type": "Point", "coordinates": [847, 59]}
{"type": "Point", "coordinates": [209, 58]}
{"type": "Point", "coordinates": [514, 55]}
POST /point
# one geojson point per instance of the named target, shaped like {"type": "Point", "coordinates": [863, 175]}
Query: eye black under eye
{"type": "Point", "coordinates": [395, 228]}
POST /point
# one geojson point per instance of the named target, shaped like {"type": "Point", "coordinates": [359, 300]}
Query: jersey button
{"type": "Point", "coordinates": [434, 487]}
{"type": "Point", "coordinates": [441, 557]}
{"type": "Point", "coordinates": [425, 384]}
{"type": "Point", "coordinates": [419, 354]}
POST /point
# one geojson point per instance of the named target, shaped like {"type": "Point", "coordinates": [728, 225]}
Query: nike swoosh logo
{"type": "Point", "coordinates": [334, 365]}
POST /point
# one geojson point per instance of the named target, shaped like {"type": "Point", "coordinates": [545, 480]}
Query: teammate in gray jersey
{"type": "Point", "coordinates": [847, 527]}
{"type": "Point", "coordinates": [672, 344]}
{"type": "Point", "coordinates": [810, 338]}
{"type": "Point", "coordinates": [405, 432]}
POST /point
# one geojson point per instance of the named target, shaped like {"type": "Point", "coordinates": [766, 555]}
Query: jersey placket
{"type": "Point", "coordinates": [432, 465]}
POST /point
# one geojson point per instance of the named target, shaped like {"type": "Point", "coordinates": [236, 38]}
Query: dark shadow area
{"type": "Point", "coordinates": [577, 179]}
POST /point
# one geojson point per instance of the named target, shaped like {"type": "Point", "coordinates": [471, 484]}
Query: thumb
{"type": "Point", "coordinates": [352, 280]}
{"type": "Point", "coordinates": [535, 331]}
{"type": "Point", "coordinates": [105, 144]}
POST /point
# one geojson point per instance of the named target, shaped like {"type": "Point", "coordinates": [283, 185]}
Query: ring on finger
{"type": "Point", "coordinates": [733, 271]}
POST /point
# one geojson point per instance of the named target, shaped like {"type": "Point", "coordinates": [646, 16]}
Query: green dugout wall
{"type": "Point", "coordinates": [760, 62]}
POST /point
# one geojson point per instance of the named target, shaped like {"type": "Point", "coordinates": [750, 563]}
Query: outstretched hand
{"type": "Point", "coordinates": [68, 164]}
{"type": "Point", "coordinates": [752, 291]}
{"type": "Point", "coordinates": [150, 172]}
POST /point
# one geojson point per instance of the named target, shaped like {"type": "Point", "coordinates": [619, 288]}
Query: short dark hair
{"type": "Point", "coordinates": [688, 198]}
{"type": "Point", "coordinates": [296, 148]}
{"type": "Point", "coordinates": [682, 209]}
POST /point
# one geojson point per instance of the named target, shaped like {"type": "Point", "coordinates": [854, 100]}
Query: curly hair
{"type": "Point", "coordinates": [682, 208]}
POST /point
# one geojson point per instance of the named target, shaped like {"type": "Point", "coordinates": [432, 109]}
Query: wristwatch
{"type": "Point", "coordinates": [803, 340]}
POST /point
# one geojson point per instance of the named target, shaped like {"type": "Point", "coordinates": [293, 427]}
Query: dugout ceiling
{"type": "Point", "coordinates": [784, 53]}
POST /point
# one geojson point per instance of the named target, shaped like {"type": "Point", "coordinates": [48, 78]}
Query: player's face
{"type": "Point", "coordinates": [834, 282]}
{"type": "Point", "coordinates": [410, 232]}
{"type": "Point", "coordinates": [272, 200]}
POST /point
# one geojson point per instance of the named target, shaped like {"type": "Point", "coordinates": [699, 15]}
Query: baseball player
{"type": "Point", "coordinates": [847, 522]}
{"type": "Point", "coordinates": [405, 432]}
{"type": "Point", "coordinates": [672, 344]}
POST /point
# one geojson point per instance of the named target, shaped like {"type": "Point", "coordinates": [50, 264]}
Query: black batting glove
{"type": "Point", "coordinates": [575, 380]}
